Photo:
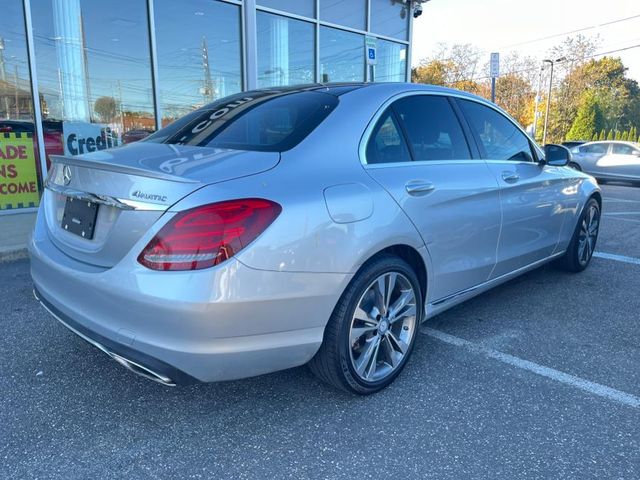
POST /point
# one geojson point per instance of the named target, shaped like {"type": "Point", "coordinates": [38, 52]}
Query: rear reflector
{"type": "Point", "coordinates": [206, 236]}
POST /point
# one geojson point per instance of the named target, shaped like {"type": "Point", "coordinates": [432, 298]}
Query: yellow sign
{"type": "Point", "coordinates": [18, 173]}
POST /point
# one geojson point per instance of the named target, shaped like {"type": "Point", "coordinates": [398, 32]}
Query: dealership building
{"type": "Point", "coordinates": [109, 73]}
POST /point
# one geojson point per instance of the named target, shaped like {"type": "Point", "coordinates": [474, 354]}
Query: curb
{"type": "Point", "coordinates": [12, 254]}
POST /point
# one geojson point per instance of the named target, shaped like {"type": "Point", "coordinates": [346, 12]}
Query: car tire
{"type": "Point", "coordinates": [348, 358]}
{"type": "Point", "coordinates": [583, 242]}
{"type": "Point", "coordinates": [575, 166]}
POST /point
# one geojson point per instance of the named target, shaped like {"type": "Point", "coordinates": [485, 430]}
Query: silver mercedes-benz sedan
{"type": "Point", "coordinates": [318, 224]}
{"type": "Point", "coordinates": [608, 160]}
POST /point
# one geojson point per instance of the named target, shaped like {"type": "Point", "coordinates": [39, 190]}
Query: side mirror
{"type": "Point", "coordinates": [556, 155]}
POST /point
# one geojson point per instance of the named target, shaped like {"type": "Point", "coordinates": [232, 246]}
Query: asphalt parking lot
{"type": "Point", "coordinates": [539, 378]}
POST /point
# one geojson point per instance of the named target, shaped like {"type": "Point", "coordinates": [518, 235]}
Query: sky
{"type": "Point", "coordinates": [497, 25]}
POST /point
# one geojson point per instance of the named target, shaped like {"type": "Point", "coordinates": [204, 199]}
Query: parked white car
{"type": "Point", "coordinates": [613, 160]}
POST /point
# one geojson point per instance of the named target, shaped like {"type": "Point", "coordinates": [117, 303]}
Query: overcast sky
{"type": "Point", "coordinates": [496, 25]}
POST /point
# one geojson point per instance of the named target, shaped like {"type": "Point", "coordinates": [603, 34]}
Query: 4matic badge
{"type": "Point", "coordinates": [149, 196]}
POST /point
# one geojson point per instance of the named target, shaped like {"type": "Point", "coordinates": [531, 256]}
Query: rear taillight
{"type": "Point", "coordinates": [206, 236]}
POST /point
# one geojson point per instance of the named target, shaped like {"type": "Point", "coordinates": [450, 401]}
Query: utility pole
{"type": "Point", "coordinates": [537, 101]}
{"type": "Point", "coordinates": [546, 114]}
{"type": "Point", "coordinates": [3, 77]}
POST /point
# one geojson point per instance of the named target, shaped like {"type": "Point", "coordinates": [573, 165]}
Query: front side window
{"type": "Point", "coordinates": [386, 144]}
{"type": "Point", "coordinates": [268, 120]}
{"type": "Point", "coordinates": [433, 130]}
{"type": "Point", "coordinates": [498, 137]}
{"type": "Point", "coordinates": [595, 149]}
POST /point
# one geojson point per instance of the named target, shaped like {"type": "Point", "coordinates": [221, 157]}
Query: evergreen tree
{"type": "Point", "coordinates": [589, 119]}
{"type": "Point", "coordinates": [603, 134]}
{"type": "Point", "coordinates": [618, 135]}
{"type": "Point", "coordinates": [633, 135]}
{"type": "Point", "coordinates": [610, 135]}
{"type": "Point", "coordinates": [625, 136]}
{"type": "Point", "coordinates": [595, 137]}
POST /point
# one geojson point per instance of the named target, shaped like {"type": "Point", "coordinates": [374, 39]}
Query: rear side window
{"type": "Point", "coordinates": [386, 144]}
{"type": "Point", "coordinates": [498, 137]}
{"type": "Point", "coordinates": [272, 121]}
{"type": "Point", "coordinates": [433, 130]}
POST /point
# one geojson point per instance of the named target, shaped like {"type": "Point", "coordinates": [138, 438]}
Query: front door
{"type": "Point", "coordinates": [533, 205]}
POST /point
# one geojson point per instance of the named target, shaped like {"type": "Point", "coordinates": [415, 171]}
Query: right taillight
{"type": "Point", "coordinates": [208, 235]}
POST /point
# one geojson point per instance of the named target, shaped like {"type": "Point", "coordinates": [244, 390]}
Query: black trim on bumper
{"type": "Point", "coordinates": [125, 352]}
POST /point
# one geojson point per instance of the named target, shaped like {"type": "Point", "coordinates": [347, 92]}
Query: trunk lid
{"type": "Point", "coordinates": [133, 186]}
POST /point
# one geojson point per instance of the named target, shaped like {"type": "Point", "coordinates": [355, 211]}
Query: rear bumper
{"type": "Point", "coordinates": [223, 323]}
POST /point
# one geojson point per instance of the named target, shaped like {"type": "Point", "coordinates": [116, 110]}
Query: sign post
{"type": "Point", "coordinates": [371, 54]}
{"type": "Point", "coordinates": [494, 73]}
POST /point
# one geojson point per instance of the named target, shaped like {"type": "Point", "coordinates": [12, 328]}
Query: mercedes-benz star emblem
{"type": "Point", "coordinates": [66, 174]}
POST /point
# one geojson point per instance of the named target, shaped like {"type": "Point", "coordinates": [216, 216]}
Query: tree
{"type": "Point", "coordinates": [106, 109]}
{"type": "Point", "coordinates": [602, 135]}
{"type": "Point", "coordinates": [625, 136]}
{"type": "Point", "coordinates": [617, 136]}
{"type": "Point", "coordinates": [610, 135]}
{"type": "Point", "coordinates": [588, 120]}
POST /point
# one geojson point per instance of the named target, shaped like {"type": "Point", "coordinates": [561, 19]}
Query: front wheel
{"type": "Point", "coordinates": [583, 242]}
{"type": "Point", "coordinates": [372, 330]}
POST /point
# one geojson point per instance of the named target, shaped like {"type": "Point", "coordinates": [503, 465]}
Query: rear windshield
{"type": "Point", "coordinates": [272, 121]}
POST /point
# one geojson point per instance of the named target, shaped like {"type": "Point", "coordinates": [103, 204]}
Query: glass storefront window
{"type": "Point", "coordinates": [341, 56]}
{"type": "Point", "coordinates": [199, 54]}
{"type": "Point", "coordinates": [305, 8]}
{"type": "Point", "coordinates": [349, 13]}
{"type": "Point", "coordinates": [19, 161]}
{"type": "Point", "coordinates": [392, 61]}
{"type": "Point", "coordinates": [285, 51]}
{"type": "Point", "coordinates": [94, 72]}
{"type": "Point", "coordinates": [390, 18]}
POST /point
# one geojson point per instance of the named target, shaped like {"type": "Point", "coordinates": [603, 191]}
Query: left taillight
{"type": "Point", "coordinates": [208, 235]}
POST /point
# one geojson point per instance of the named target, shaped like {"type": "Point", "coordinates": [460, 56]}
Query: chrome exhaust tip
{"type": "Point", "coordinates": [125, 362]}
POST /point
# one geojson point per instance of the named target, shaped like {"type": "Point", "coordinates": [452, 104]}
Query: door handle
{"type": "Point", "coordinates": [418, 188]}
{"type": "Point", "coordinates": [510, 177]}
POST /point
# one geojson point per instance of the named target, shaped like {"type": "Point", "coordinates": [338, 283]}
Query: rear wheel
{"type": "Point", "coordinates": [583, 242]}
{"type": "Point", "coordinates": [372, 330]}
{"type": "Point", "coordinates": [575, 166]}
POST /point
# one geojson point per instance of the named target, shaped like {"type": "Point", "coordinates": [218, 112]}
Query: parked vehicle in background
{"type": "Point", "coordinates": [135, 135]}
{"type": "Point", "coordinates": [317, 224]}
{"type": "Point", "coordinates": [573, 143]}
{"type": "Point", "coordinates": [608, 160]}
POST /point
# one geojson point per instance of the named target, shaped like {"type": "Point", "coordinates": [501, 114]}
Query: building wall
{"type": "Point", "coordinates": [123, 68]}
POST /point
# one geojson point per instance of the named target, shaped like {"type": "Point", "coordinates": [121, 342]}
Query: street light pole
{"type": "Point", "coordinates": [546, 113]}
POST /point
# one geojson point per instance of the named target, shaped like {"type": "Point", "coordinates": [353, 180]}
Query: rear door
{"type": "Point", "coordinates": [531, 195]}
{"type": "Point", "coordinates": [589, 157]}
{"type": "Point", "coordinates": [419, 153]}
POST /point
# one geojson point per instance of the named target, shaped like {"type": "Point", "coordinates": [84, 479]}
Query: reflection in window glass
{"type": "Point", "coordinates": [390, 18]}
{"type": "Point", "coordinates": [19, 164]}
{"type": "Point", "coordinates": [392, 62]}
{"type": "Point", "coordinates": [499, 138]}
{"type": "Point", "coordinates": [433, 130]}
{"type": "Point", "coordinates": [285, 51]}
{"type": "Point", "coordinates": [306, 8]}
{"type": "Point", "coordinates": [350, 13]}
{"type": "Point", "coordinates": [94, 71]}
{"type": "Point", "coordinates": [199, 59]}
{"type": "Point", "coordinates": [341, 56]}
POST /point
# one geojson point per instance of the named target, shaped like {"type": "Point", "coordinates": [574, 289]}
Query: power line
{"type": "Point", "coordinates": [590, 27]}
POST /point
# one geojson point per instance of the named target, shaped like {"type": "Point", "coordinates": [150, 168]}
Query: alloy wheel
{"type": "Point", "coordinates": [382, 327]}
{"type": "Point", "coordinates": [588, 234]}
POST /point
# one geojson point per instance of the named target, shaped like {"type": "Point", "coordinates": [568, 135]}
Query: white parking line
{"type": "Point", "coordinates": [617, 258]}
{"type": "Point", "coordinates": [557, 375]}
{"type": "Point", "coordinates": [621, 200]}
{"type": "Point", "coordinates": [622, 213]}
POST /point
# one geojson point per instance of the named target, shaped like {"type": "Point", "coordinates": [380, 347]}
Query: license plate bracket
{"type": "Point", "coordinates": [79, 217]}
